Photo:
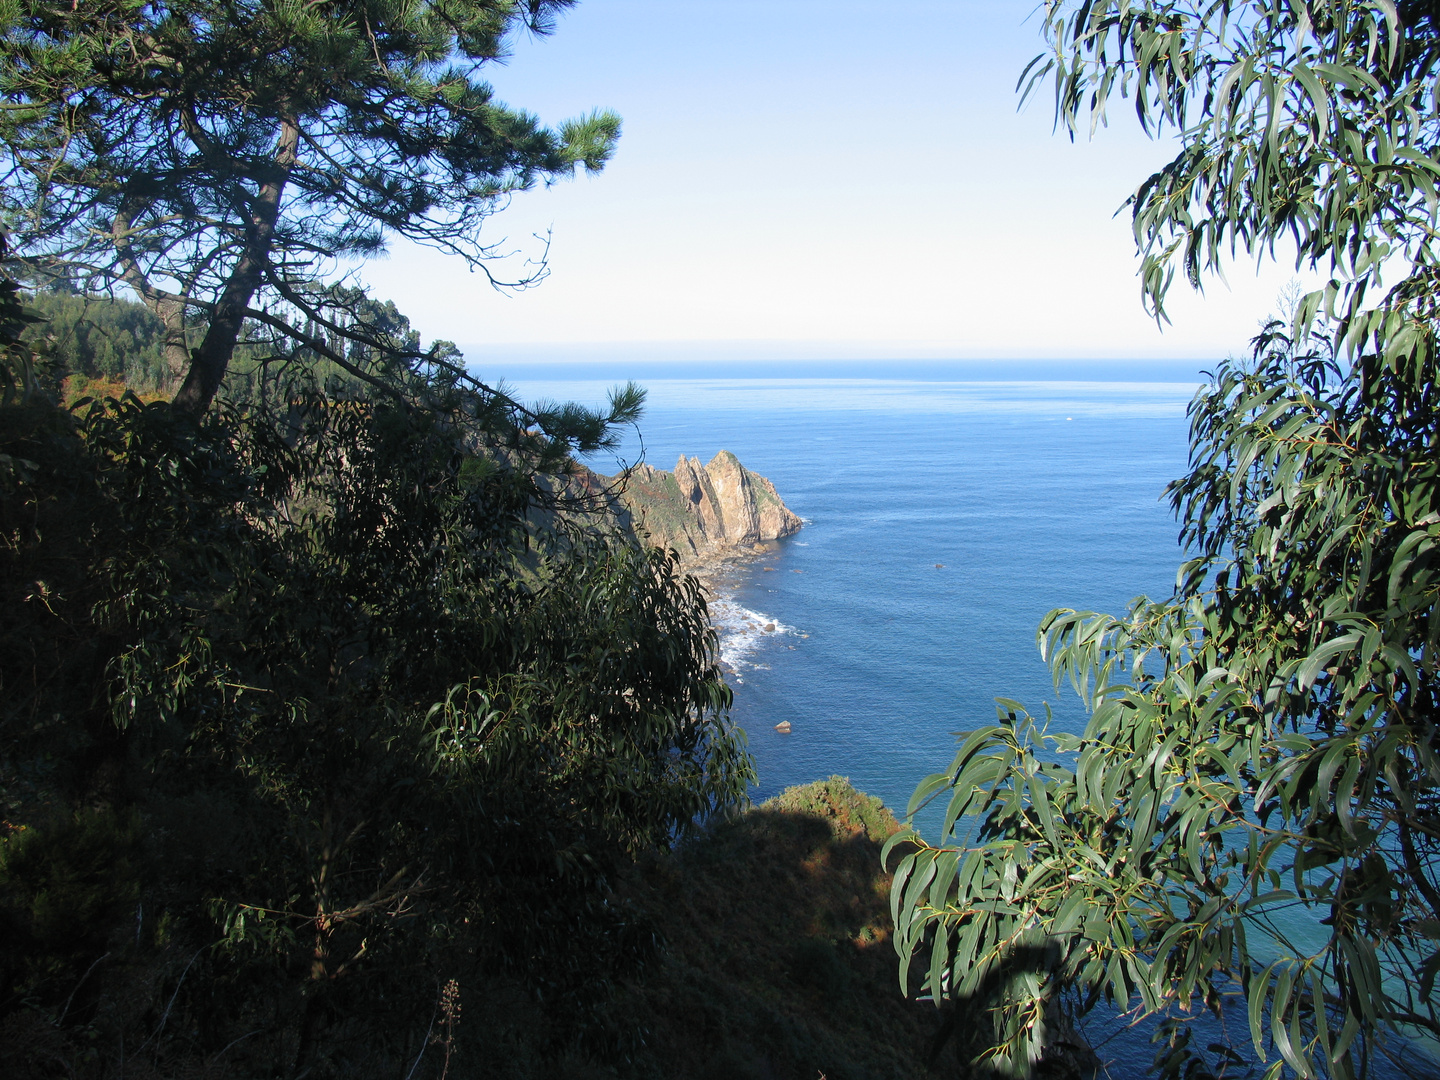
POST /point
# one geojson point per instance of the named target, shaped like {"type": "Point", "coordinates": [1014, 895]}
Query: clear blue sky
{"type": "Point", "coordinates": [819, 179]}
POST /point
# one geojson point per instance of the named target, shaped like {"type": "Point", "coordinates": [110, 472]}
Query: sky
{"type": "Point", "coordinates": [818, 180]}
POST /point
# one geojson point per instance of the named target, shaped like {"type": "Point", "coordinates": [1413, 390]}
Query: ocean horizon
{"type": "Point", "coordinates": [660, 365]}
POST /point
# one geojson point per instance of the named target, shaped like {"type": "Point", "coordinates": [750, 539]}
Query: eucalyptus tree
{"type": "Point", "coordinates": [218, 157]}
{"type": "Point", "coordinates": [1253, 810]}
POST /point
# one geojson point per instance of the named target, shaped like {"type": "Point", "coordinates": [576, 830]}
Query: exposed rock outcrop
{"type": "Point", "coordinates": [706, 510]}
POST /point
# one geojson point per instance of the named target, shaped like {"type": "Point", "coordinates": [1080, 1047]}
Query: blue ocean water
{"type": "Point", "coordinates": [943, 519]}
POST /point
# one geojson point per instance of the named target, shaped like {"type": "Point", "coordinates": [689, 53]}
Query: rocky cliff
{"type": "Point", "coordinates": [706, 510]}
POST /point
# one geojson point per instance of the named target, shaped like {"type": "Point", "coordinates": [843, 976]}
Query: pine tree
{"type": "Point", "coordinates": [218, 157]}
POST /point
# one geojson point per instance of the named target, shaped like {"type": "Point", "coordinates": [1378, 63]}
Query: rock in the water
{"type": "Point", "coordinates": [783, 727]}
{"type": "Point", "coordinates": [707, 510]}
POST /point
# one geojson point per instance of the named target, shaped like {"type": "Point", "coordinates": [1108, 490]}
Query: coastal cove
{"type": "Point", "coordinates": [1030, 496]}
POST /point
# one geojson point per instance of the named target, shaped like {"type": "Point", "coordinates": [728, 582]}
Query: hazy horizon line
{"type": "Point", "coordinates": [919, 370]}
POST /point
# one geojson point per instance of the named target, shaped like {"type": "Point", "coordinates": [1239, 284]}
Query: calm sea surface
{"type": "Point", "coordinates": [943, 520]}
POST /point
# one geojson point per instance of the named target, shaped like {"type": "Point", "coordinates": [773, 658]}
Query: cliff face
{"type": "Point", "coordinates": [703, 510]}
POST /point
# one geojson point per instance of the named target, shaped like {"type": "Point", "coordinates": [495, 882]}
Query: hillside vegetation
{"type": "Point", "coordinates": [306, 713]}
{"type": "Point", "coordinates": [245, 835]}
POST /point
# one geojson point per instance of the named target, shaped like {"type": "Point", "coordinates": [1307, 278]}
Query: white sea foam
{"type": "Point", "coordinates": [742, 632]}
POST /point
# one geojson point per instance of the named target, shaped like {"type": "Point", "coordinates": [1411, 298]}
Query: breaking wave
{"type": "Point", "coordinates": [742, 632]}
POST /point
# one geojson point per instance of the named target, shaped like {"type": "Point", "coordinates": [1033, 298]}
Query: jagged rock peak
{"type": "Point", "coordinates": [703, 510]}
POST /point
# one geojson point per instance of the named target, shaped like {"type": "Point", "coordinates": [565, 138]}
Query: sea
{"type": "Point", "coordinates": [943, 519]}
{"type": "Point", "coordinates": [944, 515]}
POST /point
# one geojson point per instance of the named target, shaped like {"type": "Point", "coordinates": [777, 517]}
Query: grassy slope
{"type": "Point", "coordinates": [779, 962]}
{"type": "Point", "coordinates": [660, 507]}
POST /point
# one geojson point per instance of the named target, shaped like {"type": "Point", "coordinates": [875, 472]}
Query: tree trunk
{"type": "Point", "coordinates": [171, 313]}
{"type": "Point", "coordinates": [209, 362]}
{"type": "Point", "coordinates": [169, 309]}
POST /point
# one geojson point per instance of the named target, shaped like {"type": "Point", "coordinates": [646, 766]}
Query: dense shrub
{"type": "Point", "coordinates": [305, 715]}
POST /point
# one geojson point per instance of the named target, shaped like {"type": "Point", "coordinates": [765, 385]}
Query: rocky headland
{"type": "Point", "coordinates": [716, 517]}
{"type": "Point", "coordinates": [707, 513]}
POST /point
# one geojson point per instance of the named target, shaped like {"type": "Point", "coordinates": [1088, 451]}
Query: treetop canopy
{"type": "Point", "coordinates": [213, 152]}
{"type": "Point", "coordinates": [1315, 121]}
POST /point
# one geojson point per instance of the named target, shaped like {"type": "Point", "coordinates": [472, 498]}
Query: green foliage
{"type": "Point", "coordinates": [64, 887]}
{"type": "Point", "coordinates": [101, 338]}
{"type": "Point", "coordinates": [1315, 122]}
{"type": "Point", "coordinates": [216, 158]}
{"type": "Point", "coordinates": [19, 380]}
{"type": "Point", "coordinates": [1253, 810]}
{"type": "Point", "coordinates": [1253, 806]}
{"type": "Point", "coordinates": [379, 721]}
{"type": "Point", "coordinates": [382, 700]}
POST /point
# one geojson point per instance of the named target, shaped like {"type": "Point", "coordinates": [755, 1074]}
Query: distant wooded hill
{"type": "Point", "coordinates": [95, 345]}
{"type": "Point", "coordinates": [99, 337]}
